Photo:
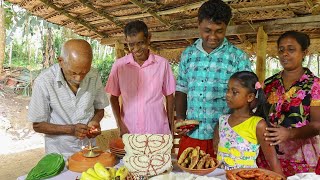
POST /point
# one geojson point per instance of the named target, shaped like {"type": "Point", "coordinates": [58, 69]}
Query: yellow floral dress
{"type": "Point", "coordinates": [238, 146]}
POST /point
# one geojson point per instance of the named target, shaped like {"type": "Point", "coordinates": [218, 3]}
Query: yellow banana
{"type": "Point", "coordinates": [101, 171]}
{"type": "Point", "coordinates": [86, 176]}
{"type": "Point", "coordinates": [112, 172]}
{"type": "Point", "coordinates": [93, 173]}
{"type": "Point", "coordinates": [122, 173]}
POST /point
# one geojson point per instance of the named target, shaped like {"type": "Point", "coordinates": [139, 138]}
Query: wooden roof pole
{"type": "Point", "coordinates": [261, 50]}
{"type": "Point", "coordinates": [101, 13]}
{"type": "Point", "coordinates": [198, 4]}
{"type": "Point", "coordinates": [165, 12]}
{"type": "Point", "coordinates": [119, 49]}
{"type": "Point", "coordinates": [154, 14]}
{"type": "Point", "coordinates": [75, 19]}
{"type": "Point", "coordinates": [297, 23]}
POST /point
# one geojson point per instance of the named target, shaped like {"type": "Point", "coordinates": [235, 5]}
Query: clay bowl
{"type": "Point", "coordinates": [200, 172]}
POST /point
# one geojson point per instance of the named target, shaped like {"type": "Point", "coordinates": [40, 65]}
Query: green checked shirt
{"type": "Point", "coordinates": [204, 78]}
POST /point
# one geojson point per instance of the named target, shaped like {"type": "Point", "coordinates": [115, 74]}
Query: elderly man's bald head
{"type": "Point", "coordinates": [75, 60]}
{"type": "Point", "coordinates": [77, 50]}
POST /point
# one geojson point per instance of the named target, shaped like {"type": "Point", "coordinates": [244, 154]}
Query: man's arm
{"type": "Point", "coordinates": [181, 105]}
{"type": "Point", "coordinates": [169, 108]}
{"type": "Point", "coordinates": [114, 100]}
{"type": "Point", "coordinates": [98, 115]}
{"type": "Point", "coordinates": [78, 130]}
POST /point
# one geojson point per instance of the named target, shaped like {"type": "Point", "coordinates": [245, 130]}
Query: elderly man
{"type": "Point", "coordinates": [68, 100]}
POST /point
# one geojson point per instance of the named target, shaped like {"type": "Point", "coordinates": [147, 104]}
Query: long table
{"type": "Point", "coordinates": [70, 175]}
{"type": "Point", "coordinates": [217, 173]}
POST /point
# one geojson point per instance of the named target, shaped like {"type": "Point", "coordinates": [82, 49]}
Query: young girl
{"type": "Point", "coordinates": [241, 132]}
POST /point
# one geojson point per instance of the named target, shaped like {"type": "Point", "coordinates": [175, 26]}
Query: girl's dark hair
{"type": "Point", "coordinates": [134, 27]}
{"type": "Point", "coordinates": [248, 80]}
{"type": "Point", "coordinates": [215, 10]}
{"type": "Point", "coordinates": [302, 38]}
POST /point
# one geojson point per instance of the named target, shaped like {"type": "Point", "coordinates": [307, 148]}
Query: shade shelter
{"type": "Point", "coordinates": [255, 26]}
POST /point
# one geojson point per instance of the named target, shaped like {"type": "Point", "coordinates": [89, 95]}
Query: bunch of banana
{"type": "Point", "coordinates": [99, 172]}
{"type": "Point", "coordinates": [194, 158]}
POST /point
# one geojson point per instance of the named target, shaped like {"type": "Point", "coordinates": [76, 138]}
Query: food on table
{"type": "Point", "coordinates": [87, 176]}
{"type": "Point", "coordinates": [202, 161]}
{"type": "Point", "coordinates": [50, 165]}
{"type": "Point", "coordinates": [186, 124]}
{"type": "Point", "coordinates": [112, 171]}
{"type": "Point", "coordinates": [78, 163]}
{"type": "Point", "coordinates": [93, 129]}
{"type": "Point", "coordinates": [254, 174]}
{"type": "Point", "coordinates": [147, 154]}
{"type": "Point", "coordinates": [185, 154]}
{"type": "Point", "coordinates": [99, 172]}
{"type": "Point", "coordinates": [91, 172]}
{"type": "Point", "coordinates": [148, 165]}
{"type": "Point", "coordinates": [202, 152]}
{"type": "Point", "coordinates": [147, 143]}
{"type": "Point", "coordinates": [121, 173]}
{"type": "Point", "coordinates": [193, 158]}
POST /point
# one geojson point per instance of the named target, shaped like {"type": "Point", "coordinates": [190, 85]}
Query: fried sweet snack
{"type": "Point", "coordinates": [185, 154]}
{"type": "Point", "coordinates": [187, 124]}
{"type": "Point", "coordinates": [231, 176]}
{"type": "Point", "coordinates": [187, 160]}
{"type": "Point", "coordinates": [194, 157]}
{"type": "Point", "coordinates": [202, 161]}
{"type": "Point", "coordinates": [202, 153]}
{"type": "Point", "coordinates": [247, 174]}
{"type": "Point", "coordinates": [252, 174]}
{"type": "Point", "coordinates": [210, 163]}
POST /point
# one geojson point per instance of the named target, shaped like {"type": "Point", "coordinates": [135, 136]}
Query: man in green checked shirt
{"type": "Point", "coordinates": [204, 70]}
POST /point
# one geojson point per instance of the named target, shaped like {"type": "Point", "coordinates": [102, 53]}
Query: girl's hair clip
{"type": "Point", "coordinates": [257, 85]}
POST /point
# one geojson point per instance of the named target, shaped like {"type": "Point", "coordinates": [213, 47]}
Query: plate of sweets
{"type": "Point", "coordinates": [196, 161]}
{"type": "Point", "coordinates": [253, 173]}
{"type": "Point", "coordinates": [186, 124]}
{"type": "Point", "coordinates": [117, 147]}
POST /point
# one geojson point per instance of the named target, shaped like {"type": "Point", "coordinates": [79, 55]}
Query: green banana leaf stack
{"type": "Point", "coordinates": [49, 166]}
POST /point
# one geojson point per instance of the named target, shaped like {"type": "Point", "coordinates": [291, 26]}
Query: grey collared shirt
{"type": "Point", "coordinates": [53, 101]}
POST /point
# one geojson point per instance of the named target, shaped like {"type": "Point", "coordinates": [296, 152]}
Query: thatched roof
{"type": "Point", "coordinates": [173, 23]}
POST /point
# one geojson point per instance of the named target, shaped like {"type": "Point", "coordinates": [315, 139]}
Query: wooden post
{"type": "Point", "coordinates": [119, 47]}
{"type": "Point", "coordinates": [318, 60]}
{"type": "Point", "coordinates": [262, 39]}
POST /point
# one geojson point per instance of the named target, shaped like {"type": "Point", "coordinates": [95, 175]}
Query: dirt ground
{"type": "Point", "coordinates": [21, 147]}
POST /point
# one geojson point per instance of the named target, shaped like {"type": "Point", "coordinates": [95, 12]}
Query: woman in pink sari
{"type": "Point", "coordinates": [294, 98]}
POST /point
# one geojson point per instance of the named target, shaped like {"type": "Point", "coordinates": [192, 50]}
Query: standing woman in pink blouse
{"type": "Point", "coordinates": [294, 98]}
